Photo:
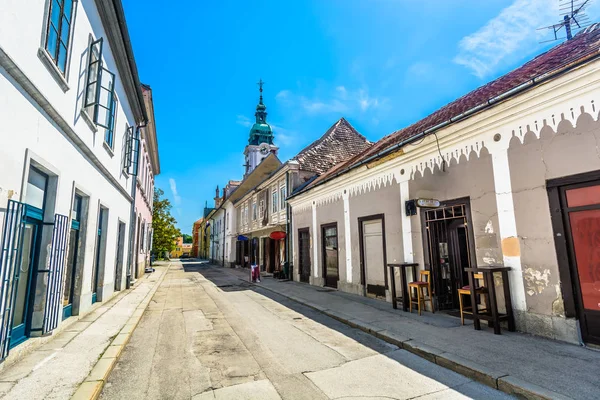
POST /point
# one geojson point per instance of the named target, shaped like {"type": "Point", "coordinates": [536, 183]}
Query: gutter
{"type": "Point", "coordinates": [462, 116]}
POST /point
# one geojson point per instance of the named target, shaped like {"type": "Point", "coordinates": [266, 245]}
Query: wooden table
{"type": "Point", "coordinates": [492, 315]}
{"type": "Point", "coordinates": [404, 283]}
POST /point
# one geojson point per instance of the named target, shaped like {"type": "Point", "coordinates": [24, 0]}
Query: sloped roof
{"type": "Point", "coordinates": [584, 46]}
{"type": "Point", "coordinates": [338, 144]}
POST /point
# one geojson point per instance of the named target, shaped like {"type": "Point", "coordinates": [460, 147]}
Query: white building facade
{"type": "Point", "coordinates": [70, 105]}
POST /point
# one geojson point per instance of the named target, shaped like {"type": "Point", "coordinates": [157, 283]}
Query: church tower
{"type": "Point", "coordinates": [260, 142]}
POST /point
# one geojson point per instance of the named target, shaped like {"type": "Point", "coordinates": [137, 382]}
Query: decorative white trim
{"type": "Point", "coordinates": [315, 260]}
{"type": "Point", "coordinates": [347, 238]}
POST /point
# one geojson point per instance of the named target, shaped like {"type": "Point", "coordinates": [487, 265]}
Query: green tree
{"type": "Point", "coordinates": [165, 232]}
{"type": "Point", "coordinates": [187, 238]}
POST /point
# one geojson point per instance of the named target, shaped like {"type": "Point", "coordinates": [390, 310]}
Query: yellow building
{"type": "Point", "coordinates": [177, 253]}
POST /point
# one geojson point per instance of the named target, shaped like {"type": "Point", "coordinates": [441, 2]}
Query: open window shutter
{"type": "Point", "coordinates": [10, 258]}
{"type": "Point", "coordinates": [92, 90]}
{"type": "Point", "coordinates": [56, 268]}
{"type": "Point", "coordinates": [135, 152]}
{"type": "Point", "coordinates": [128, 144]}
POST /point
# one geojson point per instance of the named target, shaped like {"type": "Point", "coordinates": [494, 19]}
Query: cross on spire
{"type": "Point", "coordinates": [260, 88]}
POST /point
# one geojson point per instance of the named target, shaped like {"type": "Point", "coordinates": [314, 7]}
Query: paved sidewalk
{"type": "Point", "coordinates": [513, 362]}
{"type": "Point", "coordinates": [56, 369]}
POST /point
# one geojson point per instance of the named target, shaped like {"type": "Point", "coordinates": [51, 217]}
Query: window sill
{"type": "Point", "coordinates": [108, 149]}
{"type": "Point", "coordinates": [88, 120]}
{"type": "Point", "coordinates": [53, 69]}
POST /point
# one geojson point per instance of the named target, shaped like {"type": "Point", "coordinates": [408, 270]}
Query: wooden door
{"type": "Point", "coordinates": [330, 254]}
{"type": "Point", "coordinates": [581, 212]}
{"type": "Point", "coordinates": [304, 254]}
{"type": "Point", "coordinates": [373, 257]}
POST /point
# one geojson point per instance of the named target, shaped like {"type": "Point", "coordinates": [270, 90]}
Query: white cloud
{"type": "Point", "coordinates": [284, 137]}
{"type": "Point", "coordinates": [243, 121]}
{"type": "Point", "coordinates": [512, 34]}
{"type": "Point", "coordinates": [340, 100]}
{"type": "Point", "coordinates": [176, 196]}
{"type": "Point", "coordinates": [367, 102]}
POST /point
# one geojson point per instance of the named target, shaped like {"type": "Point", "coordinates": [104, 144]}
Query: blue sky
{"type": "Point", "coordinates": [381, 64]}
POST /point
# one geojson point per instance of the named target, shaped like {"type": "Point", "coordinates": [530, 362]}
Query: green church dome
{"type": "Point", "coordinates": [261, 131]}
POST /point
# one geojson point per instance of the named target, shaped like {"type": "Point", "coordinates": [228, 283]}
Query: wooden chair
{"type": "Point", "coordinates": [466, 291]}
{"type": "Point", "coordinates": [423, 283]}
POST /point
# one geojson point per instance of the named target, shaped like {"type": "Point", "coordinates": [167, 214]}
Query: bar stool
{"type": "Point", "coordinates": [423, 283]}
{"type": "Point", "coordinates": [466, 291]}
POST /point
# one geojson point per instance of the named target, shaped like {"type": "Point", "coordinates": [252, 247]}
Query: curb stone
{"type": "Point", "coordinates": [91, 387]}
{"type": "Point", "coordinates": [497, 380]}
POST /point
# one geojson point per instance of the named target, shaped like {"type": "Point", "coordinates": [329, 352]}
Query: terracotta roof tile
{"type": "Point", "coordinates": [337, 145]}
{"type": "Point", "coordinates": [585, 44]}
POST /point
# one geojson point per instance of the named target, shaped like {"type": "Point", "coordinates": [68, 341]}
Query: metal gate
{"type": "Point", "coordinates": [10, 258]}
{"type": "Point", "coordinates": [448, 252]}
{"type": "Point", "coordinates": [56, 268]}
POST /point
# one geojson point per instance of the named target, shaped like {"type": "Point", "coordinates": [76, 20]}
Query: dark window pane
{"type": "Point", "coordinates": [62, 58]}
{"type": "Point", "coordinates": [51, 45]}
{"type": "Point", "coordinates": [67, 11]}
{"type": "Point", "coordinates": [64, 33]}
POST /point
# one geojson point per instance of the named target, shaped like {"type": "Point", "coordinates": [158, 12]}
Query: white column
{"type": "Point", "coordinates": [347, 239]}
{"type": "Point", "coordinates": [315, 260]}
{"type": "Point", "coordinates": [406, 224]}
{"type": "Point", "coordinates": [511, 251]}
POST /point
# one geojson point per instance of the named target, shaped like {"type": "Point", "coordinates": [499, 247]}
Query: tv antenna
{"type": "Point", "coordinates": [574, 18]}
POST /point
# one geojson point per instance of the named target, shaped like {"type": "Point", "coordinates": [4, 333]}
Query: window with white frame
{"type": "Point", "coordinates": [274, 199]}
{"type": "Point", "coordinates": [254, 214]}
{"type": "Point", "coordinates": [282, 194]}
{"type": "Point", "coordinates": [100, 98]}
{"type": "Point", "coordinates": [261, 209]}
{"type": "Point", "coordinates": [58, 32]}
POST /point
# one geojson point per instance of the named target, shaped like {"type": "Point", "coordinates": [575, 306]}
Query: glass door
{"type": "Point", "coordinates": [330, 255]}
{"type": "Point", "coordinates": [96, 269]}
{"type": "Point", "coordinates": [23, 277]}
{"type": "Point", "coordinates": [72, 256]}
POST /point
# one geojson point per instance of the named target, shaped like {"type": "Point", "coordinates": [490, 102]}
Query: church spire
{"type": "Point", "coordinates": [261, 109]}
{"type": "Point", "coordinates": [261, 131]}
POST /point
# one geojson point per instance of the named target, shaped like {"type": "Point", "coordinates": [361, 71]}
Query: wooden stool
{"type": "Point", "coordinates": [420, 286]}
{"type": "Point", "coordinates": [466, 291]}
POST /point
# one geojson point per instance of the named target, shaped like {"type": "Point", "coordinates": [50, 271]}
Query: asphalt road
{"type": "Point", "coordinates": [208, 335]}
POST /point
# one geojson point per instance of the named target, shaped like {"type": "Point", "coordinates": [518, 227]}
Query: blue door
{"type": "Point", "coordinates": [96, 269]}
{"type": "Point", "coordinates": [23, 280]}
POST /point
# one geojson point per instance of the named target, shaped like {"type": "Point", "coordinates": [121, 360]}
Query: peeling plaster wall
{"type": "Point", "coordinates": [473, 179]}
{"type": "Point", "coordinates": [571, 150]}
{"type": "Point", "coordinates": [328, 213]}
{"type": "Point", "coordinates": [384, 200]}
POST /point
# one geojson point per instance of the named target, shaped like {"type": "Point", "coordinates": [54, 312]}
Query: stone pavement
{"type": "Point", "coordinates": [207, 335]}
{"type": "Point", "coordinates": [513, 362]}
{"type": "Point", "coordinates": [56, 369]}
